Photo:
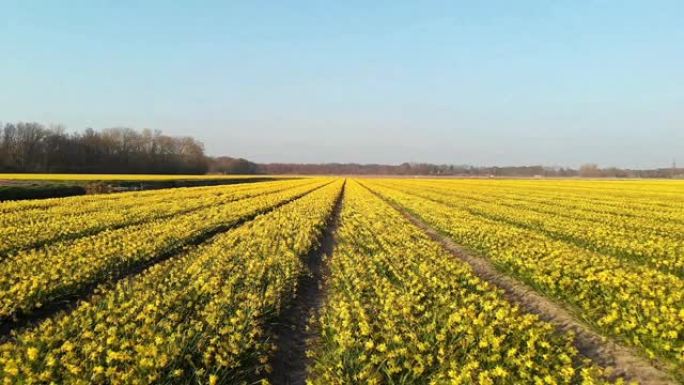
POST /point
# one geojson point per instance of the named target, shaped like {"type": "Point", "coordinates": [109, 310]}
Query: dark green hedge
{"type": "Point", "coordinates": [39, 191]}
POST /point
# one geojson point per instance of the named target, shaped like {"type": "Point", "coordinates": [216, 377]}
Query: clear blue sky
{"type": "Point", "coordinates": [483, 83]}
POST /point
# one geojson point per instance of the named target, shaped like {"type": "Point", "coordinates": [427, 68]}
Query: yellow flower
{"type": "Point", "coordinates": [32, 353]}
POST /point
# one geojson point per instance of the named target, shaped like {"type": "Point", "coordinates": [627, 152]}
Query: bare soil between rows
{"type": "Point", "coordinates": [292, 330]}
{"type": "Point", "coordinates": [623, 361]}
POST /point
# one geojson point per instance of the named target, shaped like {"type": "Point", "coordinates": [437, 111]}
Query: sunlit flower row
{"type": "Point", "coordinates": [35, 277]}
{"type": "Point", "coordinates": [198, 318]}
{"type": "Point", "coordinates": [402, 310]}
{"type": "Point", "coordinates": [641, 238]}
{"type": "Point", "coordinates": [635, 303]}
{"type": "Point", "coordinates": [26, 227]}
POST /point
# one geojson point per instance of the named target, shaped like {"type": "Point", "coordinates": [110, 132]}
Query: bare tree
{"type": "Point", "coordinates": [589, 170]}
{"type": "Point", "coordinates": [31, 147]}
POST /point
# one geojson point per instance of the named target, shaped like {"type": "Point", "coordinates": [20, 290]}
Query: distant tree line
{"type": "Point", "coordinates": [411, 169]}
{"type": "Point", "coordinates": [426, 169]}
{"type": "Point", "coordinates": [228, 165]}
{"type": "Point", "coordinates": [32, 147]}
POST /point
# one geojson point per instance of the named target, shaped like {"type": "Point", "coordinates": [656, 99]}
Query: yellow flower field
{"type": "Point", "coordinates": [628, 287]}
{"type": "Point", "coordinates": [191, 285]}
{"type": "Point", "coordinates": [401, 310]}
{"type": "Point", "coordinates": [193, 318]}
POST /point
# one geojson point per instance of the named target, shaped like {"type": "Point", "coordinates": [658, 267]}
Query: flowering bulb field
{"type": "Point", "coordinates": [192, 318]}
{"type": "Point", "coordinates": [186, 286]}
{"type": "Point", "coordinates": [31, 223]}
{"type": "Point", "coordinates": [401, 310]}
{"type": "Point", "coordinates": [613, 253]}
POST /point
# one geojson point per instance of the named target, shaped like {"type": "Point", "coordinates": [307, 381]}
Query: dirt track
{"type": "Point", "coordinates": [292, 330]}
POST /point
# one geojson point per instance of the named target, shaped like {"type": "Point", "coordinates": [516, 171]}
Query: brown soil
{"type": "Point", "coordinates": [621, 360]}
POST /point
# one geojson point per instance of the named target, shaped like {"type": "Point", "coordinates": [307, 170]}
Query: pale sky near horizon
{"type": "Point", "coordinates": [460, 82]}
